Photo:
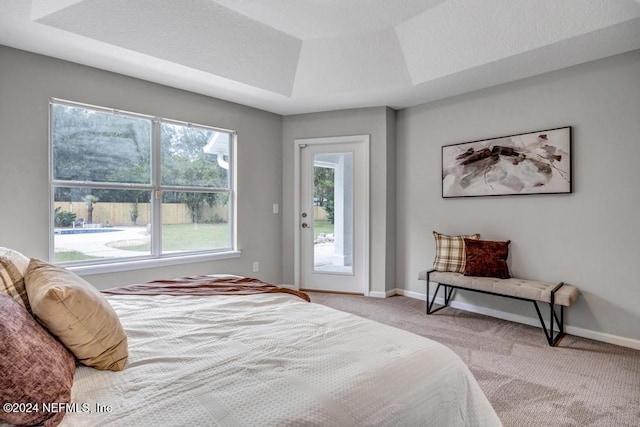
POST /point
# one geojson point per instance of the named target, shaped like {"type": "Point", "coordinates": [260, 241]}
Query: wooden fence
{"type": "Point", "coordinates": [319, 213]}
{"type": "Point", "coordinates": [119, 214]}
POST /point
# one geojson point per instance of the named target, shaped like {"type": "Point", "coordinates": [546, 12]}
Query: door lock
{"type": "Point", "coordinates": [305, 225]}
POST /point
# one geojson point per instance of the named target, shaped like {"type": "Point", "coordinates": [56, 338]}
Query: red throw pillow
{"type": "Point", "coordinates": [35, 368]}
{"type": "Point", "coordinates": [486, 258]}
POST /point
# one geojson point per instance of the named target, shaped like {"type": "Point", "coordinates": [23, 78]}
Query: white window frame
{"type": "Point", "coordinates": [156, 258]}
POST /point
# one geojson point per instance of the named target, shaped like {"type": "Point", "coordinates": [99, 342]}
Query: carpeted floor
{"type": "Point", "coordinates": [580, 382]}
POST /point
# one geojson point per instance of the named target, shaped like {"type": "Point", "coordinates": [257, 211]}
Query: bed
{"type": "Point", "coordinates": [271, 359]}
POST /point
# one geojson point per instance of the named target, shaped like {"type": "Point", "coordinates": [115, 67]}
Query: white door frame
{"type": "Point", "coordinates": [296, 201]}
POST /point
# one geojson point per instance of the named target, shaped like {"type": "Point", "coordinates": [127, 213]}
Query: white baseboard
{"type": "Point", "coordinates": [378, 294]}
{"type": "Point", "coordinates": [531, 321]}
{"type": "Point", "coordinates": [410, 294]}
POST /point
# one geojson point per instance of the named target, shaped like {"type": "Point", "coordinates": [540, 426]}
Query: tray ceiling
{"type": "Point", "coordinates": [297, 56]}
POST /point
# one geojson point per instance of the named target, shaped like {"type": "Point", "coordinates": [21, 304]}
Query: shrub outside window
{"type": "Point", "coordinates": [130, 187]}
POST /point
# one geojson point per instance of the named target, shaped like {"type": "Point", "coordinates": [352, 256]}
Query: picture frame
{"type": "Point", "coordinates": [526, 163]}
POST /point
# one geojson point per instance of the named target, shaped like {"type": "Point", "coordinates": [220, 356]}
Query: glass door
{"type": "Point", "coordinates": [334, 214]}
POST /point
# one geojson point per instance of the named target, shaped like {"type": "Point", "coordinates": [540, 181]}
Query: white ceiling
{"type": "Point", "coordinates": [298, 56]}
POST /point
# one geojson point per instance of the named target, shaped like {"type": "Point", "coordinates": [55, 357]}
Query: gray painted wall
{"type": "Point", "coordinates": [367, 121]}
{"type": "Point", "coordinates": [27, 81]}
{"type": "Point", "coordinates": [589, 238]}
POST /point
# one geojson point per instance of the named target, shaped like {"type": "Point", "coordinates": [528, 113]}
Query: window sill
{"type": "Point", "coordinates": [85, 270]}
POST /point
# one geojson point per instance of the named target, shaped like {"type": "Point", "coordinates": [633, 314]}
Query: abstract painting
{"type": "Point", "coordinates": [527, 163]}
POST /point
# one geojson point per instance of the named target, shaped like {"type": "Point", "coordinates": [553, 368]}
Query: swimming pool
{"type": "Point", "coordinates": [85, 230]}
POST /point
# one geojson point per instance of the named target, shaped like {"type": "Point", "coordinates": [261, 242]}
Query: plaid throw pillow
{"type": "Point", "coordinates": [450, 253]}
{"type": "Point", "coordinates": [12, 267]}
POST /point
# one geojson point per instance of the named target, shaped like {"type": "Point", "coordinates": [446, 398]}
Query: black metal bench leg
{"type": "Point", "coordinates": [551, 339]}
{"type": "Point", "coordinates": [448, 291]}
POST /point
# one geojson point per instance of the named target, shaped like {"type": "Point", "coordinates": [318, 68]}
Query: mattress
{"type": "Point", "coordinates": [272, 360]}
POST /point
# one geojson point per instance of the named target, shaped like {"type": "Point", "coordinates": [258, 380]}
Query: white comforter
{"type": "Point", "coordinates": [272, 360]}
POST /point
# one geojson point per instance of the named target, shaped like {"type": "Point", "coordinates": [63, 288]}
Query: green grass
{"type": "Point", "coordinates": [183, 237]}
{"type": "Point", "coordinates": [186, 237]}
{"type": "Point", "coordinates": [68, 256]}
{"type": "Point", "coordinates": [321, 226]}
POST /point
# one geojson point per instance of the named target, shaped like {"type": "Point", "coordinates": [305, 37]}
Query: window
{"type": "Point", "coordinates": [130, 187]}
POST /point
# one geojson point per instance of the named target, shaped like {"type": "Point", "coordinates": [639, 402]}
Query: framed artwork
{"type": "Point", "coordinates": [526, 163]}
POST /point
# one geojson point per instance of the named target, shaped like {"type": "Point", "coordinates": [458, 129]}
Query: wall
{"type": "Point", "coordinates": [27, 81]}
{"type": "Point", "coordinates": [588, 239]}
{"type": "Point", "coordinates": [366, 121]}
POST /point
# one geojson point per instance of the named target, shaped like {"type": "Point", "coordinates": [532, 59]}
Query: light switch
{"type": "Point", "coordinates": [276, 208]}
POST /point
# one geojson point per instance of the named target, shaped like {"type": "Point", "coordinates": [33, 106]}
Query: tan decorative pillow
{"type": "Point", "coordinates": [77, 314]}
{"type": "Point", "coordinates": [450, 253]}
{"type": "Point", "coordinates": [34, 366]}
{"type": "Point", "coordinates": [12, 267]}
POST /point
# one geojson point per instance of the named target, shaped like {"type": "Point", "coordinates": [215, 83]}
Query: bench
{"type": "Point", "coordinates": [560, 294]}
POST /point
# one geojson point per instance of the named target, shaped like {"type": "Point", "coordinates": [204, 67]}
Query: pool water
{"type": "Point", "coordinates": [86, 230]}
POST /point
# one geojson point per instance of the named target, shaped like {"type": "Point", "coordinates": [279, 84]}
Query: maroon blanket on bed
{"type": "Point", "coordinates": [204, 285]}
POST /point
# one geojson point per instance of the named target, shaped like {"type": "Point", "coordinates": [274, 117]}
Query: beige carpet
{"type": "Point", "coordinates": [579, 383]}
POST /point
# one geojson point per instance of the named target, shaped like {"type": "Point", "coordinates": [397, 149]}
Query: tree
{"type": "Point", "coordinates": [97, 146]}
{"type": "Point", "coordinates": [107, 147]}
{"type": "Point", "coordinates": [63, 218]}
{"type": "Point", "coordinates": [134, 213]}
{"type": "Point", "coordinates": [90, 199]}
{"type": "Point", "coordinates": [323, 189]}
{"type": "Point", "coordinates": [185, 162]}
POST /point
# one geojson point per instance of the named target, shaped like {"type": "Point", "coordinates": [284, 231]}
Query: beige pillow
{"type": "Point", "coordinates": [12, 267]}
{"type": "Point", "coordinates": [450, 252]}
{"type": "Point", "coordinates": [77, 314]}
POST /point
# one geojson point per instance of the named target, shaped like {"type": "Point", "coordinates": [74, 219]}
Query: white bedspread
{"type": "Point", "coordinates": [273, 360]}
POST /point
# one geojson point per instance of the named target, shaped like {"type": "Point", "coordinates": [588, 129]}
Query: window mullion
{"type": "Point", "coordinates": [101, 185]}
{"type": "Point", "coordinates": [166, 188]}
{"type": "Point", "coordinates": [156, 198]}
